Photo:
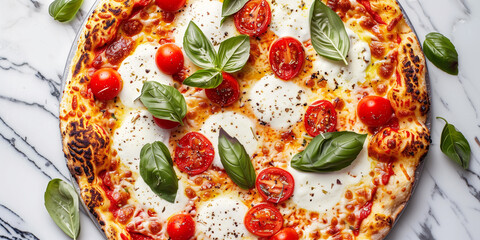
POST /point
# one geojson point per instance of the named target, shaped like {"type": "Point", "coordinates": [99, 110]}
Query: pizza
{"type": "Point", "coordinates": [235, 119]}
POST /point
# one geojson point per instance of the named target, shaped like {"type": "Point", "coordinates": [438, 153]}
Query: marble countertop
{"type": "Point", "coordinates": [33, 51]}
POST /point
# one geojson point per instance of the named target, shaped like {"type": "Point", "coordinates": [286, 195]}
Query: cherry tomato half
{"type": "Point", "coordinates": [165, 124]}
{"type": "Point", "coordinates": [374, 111]}
{"type": "Point", "coordinates": [320, 117]}
{"type": "Point", "coordinates": [285, 234]}
{"type": "Point", "coordinates": [169, 58]}
{"type": "Point", "coordinates": [263, 220]}
{"type": "Point", "coordinates": [194, 153]}
{"type": "Point", "coordinates": [275, 184]}
{"type": "Point", "coordinates": [286, 57]}
{"type": "Point", "coordinates": [106, 84]}
{"type": "Point", "coordinates": [170, 5]}
{"type": "Point", "coordinates": [253, 18]}
{"type": "Point", "coordinates": [226, 93]}
{"type": "Point", "coordinates": [181, 227]}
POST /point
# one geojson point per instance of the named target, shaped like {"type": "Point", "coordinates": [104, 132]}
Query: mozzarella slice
{"type": "Point", "coordinates": [138, 68]}
{"type": "Point", "coordinates": [291, 18]}
{"type": "Point", "coordinates": [222, 218]}
{"type": "Point", "coordinates": [137, 129]}
{"type": "Point", "coordinates": [277, 103]}
{"type": "Point", "coordinates": [319, 192]}
{"type": "Point", "coordinates": [236, 125]}
{"type": "Point", "coordinates": [336, 72]}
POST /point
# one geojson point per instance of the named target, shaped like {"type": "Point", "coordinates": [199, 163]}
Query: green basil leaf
{"type": "Point", "coordinates": [455, 145]}
{"type": "Point", "coordinates": [230, 7]}
{"type": "Point", "coordinates": [236, 161]}
{"type": "Point", "coordinates": [164, 102]}
{"type": "Point", "coordinates": [233, 53]}
{"type": "Point", "coordinates": [64, 10]}
{"type": "Point", "coordinates": [328, 35]}
{"type": "Point", "coordinates": [329, 152]}
{"type": "Point", "coordinates": [198, 48]}
{"type": "Point", "coordinates": [156, 169]}
{"type": "Point", "coordinates": [441, 52]}
{"type": "Point", "coordinates": [205, 78]}
{"type": "Point", "coordinates": [61, 202]}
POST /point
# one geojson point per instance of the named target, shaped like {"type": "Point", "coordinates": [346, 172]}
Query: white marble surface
{"type": "Point", "coordinates": [33, 51]}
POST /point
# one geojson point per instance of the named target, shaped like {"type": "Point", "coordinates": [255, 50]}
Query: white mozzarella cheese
{"type": "Point", "coordinates": [336, 72]}
{"type": "Point", "coordinates": [137, 129]}
{"type": "Point", "coordinates": [222, 218]}
{"type": "Point", "coordinates": [277, 103]}
{"type": "Point", "coordinates": [236, 125]}
{"type": "Point", "coordinates": [138, 68]}
{"type": "Point", "coordinates": [320, 192]}
{"type": "Point", "coordinates": [207, 14]}
{"type": "Point", "coordinates": [291, 18]}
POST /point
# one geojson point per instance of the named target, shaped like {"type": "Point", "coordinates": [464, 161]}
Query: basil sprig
{"type": "Point", "coordinates": [156, 169]}
{"type": "Point", "coordinates": [64, 10]}
{"type": "Point", "coordinates": [164, 102]}
{"type": "Point", "coordinates": [328, 35]}
{"type": "Point", "coordinates": [329, 152]}
{"type": "Point", "coordinates": [232, 56]}
{"type": "Point", "coordinates": [230, 7]}
{"type": "Point", "coordinates": [441, 52]}
{"type": "Point", "coordinates": [61, 202]}
{"type": "Point", "coordinates": [236, 161]}
{"type": "Point", "coordinates": [455, 145]}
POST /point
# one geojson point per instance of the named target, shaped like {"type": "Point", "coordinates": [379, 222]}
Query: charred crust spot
{"type": "Point", "coordinates": [78, 66]}
{"type": "Point", "coordinates": [116, 11]}
{"type": "Point", "coordinates": [109, 23]}
{"type": "Point", "coordinates": [93, 199]}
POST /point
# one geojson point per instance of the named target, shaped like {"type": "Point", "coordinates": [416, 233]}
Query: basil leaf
{"type": "Point", "coordinates": [198, 48]}
{"type": "Point", "coordinates": [329, 152]}
{"type": "Point", "coordinates": [61, 202]}
{"type": "Point", "coordinates": [230, 7]}
{"type": "Point", "coordinates": [233, 53]}
{"type": "Point", "coordinates": [156, 169]}
{"type": "Point", "coordinates": [164, 102]}
{"type": "Point", "coordinates": [236, 161]}
{"type": "Point", "coordinates": [205, 78]}
{"type": "Point", "coordinates": [455, 145]}
{"type": "Point", "coordinates": [64, 10]}
{"type": "Point", "coordinates": [328, 35]}
{"type": "Point", "coordinates": [441, 52]}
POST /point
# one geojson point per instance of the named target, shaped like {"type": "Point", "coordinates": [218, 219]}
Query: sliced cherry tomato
{"type": "Point", "coordinates": [263, 220]}
{"type": "Point", "coordinates": [320, 117]}
{"type": "Point", "coordinates": [181, 227]}
{"type": "Point", "coordinates": [285, 234]}
{"type": "Point", "coordinates": [170, 5]}
{"type": "Point", "coordinates": [194, 153]}
{"type": "Point", "coordinates": [106, 84]}
{"type": "Point", "coordinates": [275, 184]}
{"type": "Point", "coordinates": [226, 93]}
{"type": "Point", "coordinates": [374, 111]}
{"type": "Point", "coordinates": [253, 18]}
{"type": "Point", "coordinates": [165, 124]}
{"type": "Point", "coordinates": [169, 58]}
{"type": "Point", "coordinates": [286, 57]}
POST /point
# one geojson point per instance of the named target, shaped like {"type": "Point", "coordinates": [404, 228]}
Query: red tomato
{"type": "Point", "coordinates": [286, 57]}
{"type": "Point", "coordinates": [226, 93]}
{"type": "Point", "coordinates": [181, 227]}
{"type": "Point", "coordinates": [253, 18]}
{"type": "Point", "coordinates": [275, 184]}
{"type": "Point", "coordinates": [285, 234]}
{"type": "Point", "coordinates": [165, 124]}
{"type": "Point", "coordinates": [106, 84]}
{"type": "Point", "coordinates": [374, 111]}
{"type": "Point", "coordinates": [263, 220]}
{"type": "Point", "coordinates": [170, 5]}
{"type": "Point", "coordinates": [194, 153]}
{"type": "Point", "coordinates": [169, 58]}
{"type": "Point", "coordinates": [320, 117]}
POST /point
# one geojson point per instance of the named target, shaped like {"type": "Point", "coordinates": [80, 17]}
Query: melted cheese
{"type": "Point", "coordinates": [277, 103]}
{"type": "Point", "coordinates": [291, 18]}
{"type": "Point", "coordinates": [236, 125]}
{"type": "Point", "coordinates": [138, 68]}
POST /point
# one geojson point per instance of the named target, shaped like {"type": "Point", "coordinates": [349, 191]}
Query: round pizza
{"type": "Point", "coordinates": [237, 119]}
